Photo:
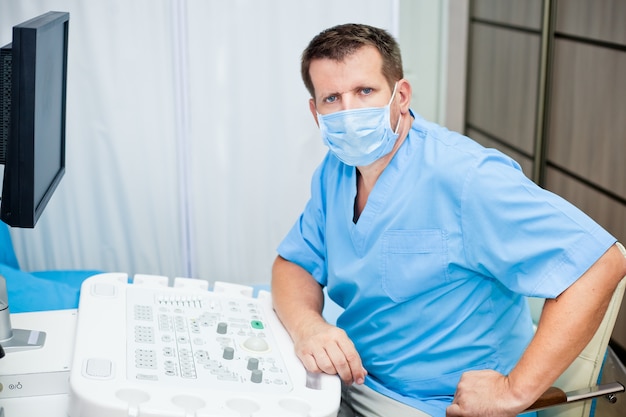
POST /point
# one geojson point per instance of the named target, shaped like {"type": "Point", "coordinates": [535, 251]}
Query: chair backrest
{"type": "Point", "coordinates": [585, 370]}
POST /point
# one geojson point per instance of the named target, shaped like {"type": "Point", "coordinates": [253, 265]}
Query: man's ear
{"type": "Point", "coordinates": [313, 110]}
{"type": "Point", "coordinates": [404, 91]}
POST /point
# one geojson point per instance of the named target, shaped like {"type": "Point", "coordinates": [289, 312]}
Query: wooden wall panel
{"type": "Point", "coordinates": [503, 80]}
{"type": "Point", "coordinates": [587, 132]}
{"type": "Point", "coordinates": [525, 13]}
{"type": "Point", "coordinates": [601, 20]}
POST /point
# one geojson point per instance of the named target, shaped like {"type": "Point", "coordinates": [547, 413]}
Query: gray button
{"type": "Point", "coordinates": [229, 353]}
{"type": "Point", "coordinates": [257, 376]}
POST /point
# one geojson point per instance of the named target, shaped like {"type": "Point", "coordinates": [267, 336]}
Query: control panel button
{"type": "Point", "coordinates": [253, 363]}
{"type": "Point", "coordinates": [229, 353]}
{"type": "Point", "coordinates": [257, 376]}
{"type": "Point", "coordinates": [222, 328]}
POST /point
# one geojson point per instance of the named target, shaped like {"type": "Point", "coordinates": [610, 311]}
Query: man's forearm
{"type": "Point", "coordinates": [298, 301]}
{"type": "Point", "coordinates": [297, 296]}
{"type": "Point", "coordinates": [566, 326]}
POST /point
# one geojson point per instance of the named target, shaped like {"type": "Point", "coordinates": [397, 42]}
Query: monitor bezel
{"type": "Point", "coordinates": [19, 207]}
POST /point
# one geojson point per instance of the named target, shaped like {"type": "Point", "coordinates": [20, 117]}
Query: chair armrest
{"type": "Point", "coordinates": [555, 396]}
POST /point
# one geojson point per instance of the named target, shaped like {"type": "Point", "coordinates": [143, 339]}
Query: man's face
{"type": "Point", "coordinates": [355, 82]}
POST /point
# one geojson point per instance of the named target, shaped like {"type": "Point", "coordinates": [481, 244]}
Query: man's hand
{"type": "Point", "coordinates": [326, 348]}
{"type": "Point", "coordinates": [566, 325]}
{"type": "Point", "coordinates": [485, 394]}
{"type": "Point", "coordinates": [298, 301]}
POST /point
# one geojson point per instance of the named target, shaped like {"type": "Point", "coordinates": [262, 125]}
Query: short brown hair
{"type": "Point", "coordinates": [340, 41]}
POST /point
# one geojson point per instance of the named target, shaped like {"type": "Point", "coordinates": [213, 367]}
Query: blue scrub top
{"type": "Point", "coordinates": [433, 274]}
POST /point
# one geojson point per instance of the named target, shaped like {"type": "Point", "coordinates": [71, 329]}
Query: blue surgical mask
{"type": "Point", "coordinates": [358, 137]}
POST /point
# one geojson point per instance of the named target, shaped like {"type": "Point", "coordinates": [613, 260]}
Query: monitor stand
{"type": "Point", "coordinates": [14, 340]}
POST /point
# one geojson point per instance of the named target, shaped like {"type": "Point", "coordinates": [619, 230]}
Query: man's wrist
{"type": "Point", "coordinates": [522, 390]}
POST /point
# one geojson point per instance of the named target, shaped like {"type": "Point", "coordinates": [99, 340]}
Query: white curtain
{"type": "Point", "coordinates": [189, 140]}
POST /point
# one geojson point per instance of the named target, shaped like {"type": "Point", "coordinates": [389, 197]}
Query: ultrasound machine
{"type": "Point", "coordinates": [140, 347]}
{"type": "Point", "coordinates": [151, 349]}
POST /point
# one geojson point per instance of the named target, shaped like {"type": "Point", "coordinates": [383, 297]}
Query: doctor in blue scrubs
{"type": "Point", "coordinates": [430, 243]}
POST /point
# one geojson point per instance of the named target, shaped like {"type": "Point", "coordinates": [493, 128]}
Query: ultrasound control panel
{"type": "Point", "coordinates": [144, 348]}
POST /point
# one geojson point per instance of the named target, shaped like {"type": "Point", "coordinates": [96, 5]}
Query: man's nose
{"type": "Point", "coordinates": [348, 101]}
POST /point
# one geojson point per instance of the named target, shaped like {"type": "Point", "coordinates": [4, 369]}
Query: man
{"type": "Point", "coordinates": [430, 243]}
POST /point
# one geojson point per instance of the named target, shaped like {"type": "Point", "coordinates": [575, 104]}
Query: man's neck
{"type": "Point", "coordinates": [368, 175]}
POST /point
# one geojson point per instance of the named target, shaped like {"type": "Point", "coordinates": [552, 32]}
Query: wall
{"type": "Point", "coordinates": [423, 39]}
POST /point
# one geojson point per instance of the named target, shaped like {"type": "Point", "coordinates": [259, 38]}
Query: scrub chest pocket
{"type": "Point", "coordinates": [413, 261]}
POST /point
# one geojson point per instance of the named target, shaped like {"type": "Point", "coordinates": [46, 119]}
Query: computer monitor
{"type": "Point", "coordinates": [33, 76]}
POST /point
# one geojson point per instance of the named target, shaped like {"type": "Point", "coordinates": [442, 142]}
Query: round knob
{"type": "Point", "coordinates": [222, 327]}
{"type": "Point", "coordinates": [257, 376]}
{"type": "Point", "coordinates": [253, 363]}
{"type": "Point", "coordinates": [229, 353]}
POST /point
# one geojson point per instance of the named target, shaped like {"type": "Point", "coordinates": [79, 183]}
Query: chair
{"type": "Point", "coordinates": [585, 371]}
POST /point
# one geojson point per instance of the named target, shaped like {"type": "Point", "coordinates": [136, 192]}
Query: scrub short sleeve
{"type": "Point", "coordinates": [528, 238]}
{"type": "Point", "coordinates": [305, 245]}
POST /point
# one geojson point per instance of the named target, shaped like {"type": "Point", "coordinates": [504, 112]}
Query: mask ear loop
{"type": "Point", "coordinates": [398, 125]}
{"type": "Point", "coordinates": [393, 95]}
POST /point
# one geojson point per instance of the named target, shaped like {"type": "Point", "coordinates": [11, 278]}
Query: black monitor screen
{"type": "Point", "coordinates": [34, 70]}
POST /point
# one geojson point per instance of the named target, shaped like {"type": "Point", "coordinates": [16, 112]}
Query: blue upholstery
{"type": "Point", "coordinates": [37, 291]}
{"type": "Point", "coordinates": [7, 254]}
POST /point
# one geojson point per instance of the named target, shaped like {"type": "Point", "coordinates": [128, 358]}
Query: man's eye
{"type": "Point", "coordinates": [366, 91]}
{"type": "Point", "coordinates": [330, 99]}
